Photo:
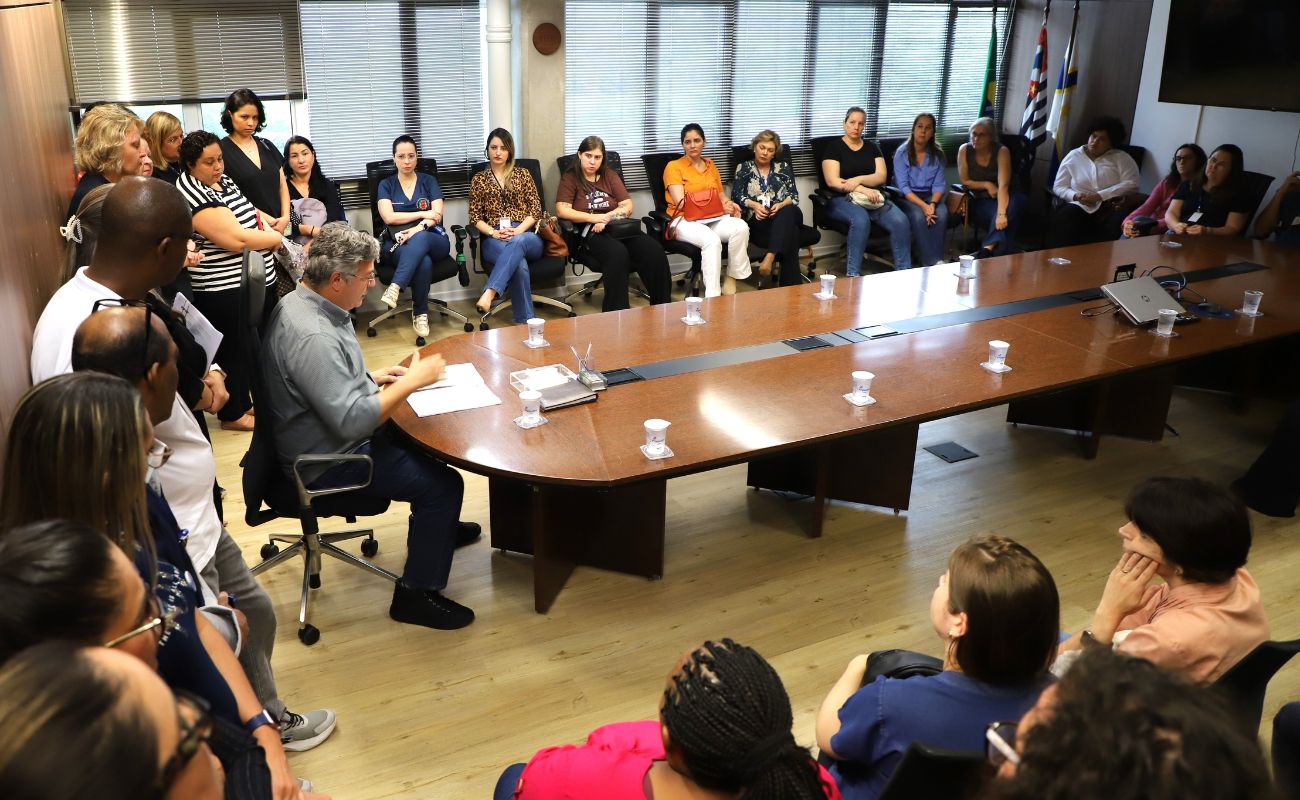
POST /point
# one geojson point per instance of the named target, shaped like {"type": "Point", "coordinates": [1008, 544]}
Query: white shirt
{"type": "Point", "coordinates": [1112, 174]}
{"type": "Point", "coordinates": [188, 476]}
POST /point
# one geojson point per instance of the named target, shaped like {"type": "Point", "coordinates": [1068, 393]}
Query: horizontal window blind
{"type": "Point", "coordinates": [794, 66]}
{"type": "Point", "coordinates": [380, 68]}
{"type": "Point", "coordinates": [169, 51]}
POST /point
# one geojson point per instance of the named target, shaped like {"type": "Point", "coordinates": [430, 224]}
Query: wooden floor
{"type": "Point", "coordinates": [430, 714]}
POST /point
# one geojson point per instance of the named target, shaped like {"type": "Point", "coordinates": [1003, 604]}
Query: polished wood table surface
{"type": "Point", "coordinates": [578, 491]}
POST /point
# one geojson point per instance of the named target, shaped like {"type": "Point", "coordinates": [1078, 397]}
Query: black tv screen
{"type": "Point", "coordinates": [1236, 53]}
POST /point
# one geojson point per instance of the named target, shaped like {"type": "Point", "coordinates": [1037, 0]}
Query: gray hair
{"type": "Point", "coordinates": [984, 122]}
{"type": "Point", "coordinates": [338, 248]}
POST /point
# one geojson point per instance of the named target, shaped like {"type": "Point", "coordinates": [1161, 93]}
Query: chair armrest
{"type": "Point", "coordinates": [305, 495]}
{"type": "Point", "coordinates": [819, 200]}
{"type": "Point", "coordinates": [960, 187]}
{"type": "Point", "coordinates": [893, 192]}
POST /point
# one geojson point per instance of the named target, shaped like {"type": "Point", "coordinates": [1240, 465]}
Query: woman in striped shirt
{"type": "Point", "coordinates": [225, 223]}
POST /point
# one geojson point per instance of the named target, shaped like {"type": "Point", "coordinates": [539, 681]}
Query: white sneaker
{"type": "Point", "coordinates": [421, 324]}
{"type": "Point", "coordinates": [390, 295]}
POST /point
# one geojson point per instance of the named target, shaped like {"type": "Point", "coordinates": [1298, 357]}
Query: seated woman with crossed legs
{"type": "Point", "coordinates": [765, 189]}
{"type": "Point", "coordinates": [504, 206]}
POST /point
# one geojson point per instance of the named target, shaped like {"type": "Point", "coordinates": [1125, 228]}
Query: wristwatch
{"type": "Point", "coordinates": [259, 719]}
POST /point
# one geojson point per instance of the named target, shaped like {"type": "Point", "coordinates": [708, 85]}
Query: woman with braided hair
{"type": "Point", "coordinates": [723, 731]}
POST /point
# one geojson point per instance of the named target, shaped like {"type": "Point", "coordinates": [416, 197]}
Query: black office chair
{"type": "Point", "coordinates": [933, 772]}
{"type": "Point", "coordinates": [1245, 684]}
{"type": "Point", "coordinates": [265, 483]}
{"type": "Point", "coordinates": [1254, 185]}
{"type": "Point", "coordinates": [546, 268]}
{"type": "Point", "coordinates": [386, 264]}
{"type": "Point", "coordinates": [808, 235]}
{"type": "Point", "coordinates": [657, 224]}
{"type": "Point", "coordinates": [578, 255]}
{"type": "Point", "coordinates": [878, 239]}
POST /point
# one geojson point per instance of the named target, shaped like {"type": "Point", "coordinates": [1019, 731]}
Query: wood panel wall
{"type": "Point", "coordinates": [36, 181]}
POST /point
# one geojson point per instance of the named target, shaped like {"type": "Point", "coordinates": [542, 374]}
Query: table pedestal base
{"type": "Point", "coordinates": [1134, 406]}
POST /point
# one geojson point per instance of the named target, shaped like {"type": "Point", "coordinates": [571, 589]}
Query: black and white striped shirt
{"type": "Point", "coordinates": [219, 270]}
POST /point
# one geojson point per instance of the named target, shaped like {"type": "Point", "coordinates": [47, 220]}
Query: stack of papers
{"type": "Point", "coordinates": [460, 389]}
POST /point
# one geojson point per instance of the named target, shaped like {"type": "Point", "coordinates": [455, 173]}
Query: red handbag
{"type": "Point", "coordinates": [704, 204]}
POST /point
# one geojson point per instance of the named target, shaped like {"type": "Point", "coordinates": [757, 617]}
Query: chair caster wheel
{"type": "Point", "coordinates": [269, 550]}
{"type": "Point", "coordinates": [314, 581]}
{"type": "Point", "coordinates": [586, 295]}
{"type": "Point", "coordinates": [419, 341]}
{"type": "Point", "coordinates": [309, 635]}
{"type": "Point", "coordinates": [482, 326]}
{"type": "Point", "coordinates": [371, 332]}
{"type": "Point", "coordinates": [369, 547]}
{"type": "Point", "coordinates": [469, 326]}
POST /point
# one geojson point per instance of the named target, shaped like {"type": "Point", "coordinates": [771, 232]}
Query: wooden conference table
{"type": "Point", "coordinates": [578, 491]}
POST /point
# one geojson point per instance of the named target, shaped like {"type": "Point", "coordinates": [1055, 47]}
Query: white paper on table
{"type": "Point", "coordinates": [461, 397]}
{"type": "Point", "coordinates": [455, 375]}
{"type": "Point", "coordinates": [207, 337]}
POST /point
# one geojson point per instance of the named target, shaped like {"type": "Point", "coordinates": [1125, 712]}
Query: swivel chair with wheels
{"type": "Point", "coordinates": [808, 235]}
{"type": "Point", "coordinates": [265, 483]}
{"type": "Point", "coordinates": [578, 255]}
{"type": "Point", "coordinates": [386, 264]}
{"type": "Point", "coordinates": [546, 268]}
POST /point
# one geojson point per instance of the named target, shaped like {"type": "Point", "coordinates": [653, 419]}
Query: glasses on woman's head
{"type": "Point", "coordinates": [194, 716]}
{"type": "Point", "coordinates": [122, 302]}
{"type": "Point", "coordinates": [1000, 744]}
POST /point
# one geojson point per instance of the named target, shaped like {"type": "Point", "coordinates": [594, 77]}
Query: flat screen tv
{"type": "Point", "coordinates": [1236, 53]}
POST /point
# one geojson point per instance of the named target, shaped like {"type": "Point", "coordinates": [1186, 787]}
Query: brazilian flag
{"type": "Point", "coordinates": [989, 99]}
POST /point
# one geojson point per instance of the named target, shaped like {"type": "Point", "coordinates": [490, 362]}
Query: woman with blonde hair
{"type": "Point", "coordinates": [765, 190]}
{"type": "Point", "coordinates": [163, 134]}
{"type": "Point", "coordinates": [108, 146]}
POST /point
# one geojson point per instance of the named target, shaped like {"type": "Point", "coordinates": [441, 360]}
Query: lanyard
{"type": "Point", "coordinates": [763, 182]}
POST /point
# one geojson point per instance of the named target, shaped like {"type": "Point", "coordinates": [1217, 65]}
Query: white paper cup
{"type": "Point", "coordinates": [1250, 302]}
{"type": "Point", "coordinates": [998, 352]}
{"type": "Point", "coordinates": [862, 384]}
{"type": "Point", "coordinates": [536, 329]}
{"type": "Point", "coordinates": [1165, 324]}
{"type": "Point", "coordinates": [656, 436]}
{"type": "Point", "coordinates": [828, 285]}
{"type": "Point", "coordinates": [966, 268]}
{"type": "Point", "coordinates": [693, 308]}
{"type": "Point", "coordinates": [532, 401]}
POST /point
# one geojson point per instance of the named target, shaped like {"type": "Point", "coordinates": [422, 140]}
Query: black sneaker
{"type": "Point", "coordinates": [428, 608]}
{"type": "Point", "coordinates": [467, 533]}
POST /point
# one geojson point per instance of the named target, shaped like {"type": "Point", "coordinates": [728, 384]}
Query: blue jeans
{"type": "Point", "coordinates": [983, 214]}
{"type": "Point", "coordinates": [928, 238]}
{"type": "Point", "coordinates": [510, 268]}
{"type": "Point", "coordinates": [505, 789]}
{"type": "Point", "coordinates": [415, 260]}
{"type": "Point", "coordinates": [434, 491]}
{"type": "Point", "coordinates": [859, 221]}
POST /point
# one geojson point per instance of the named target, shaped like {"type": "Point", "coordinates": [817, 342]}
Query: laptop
{"type": "Point", "coordinates": [1140, 299]}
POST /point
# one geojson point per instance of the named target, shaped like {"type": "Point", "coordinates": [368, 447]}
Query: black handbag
{"type": "Point", "coordinates": [900, 664]}
{"type": "Point", "coordinates": [624, 228]}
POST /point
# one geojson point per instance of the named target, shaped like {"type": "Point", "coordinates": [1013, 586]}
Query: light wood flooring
{"type": "Point", "coordinates": [429, 714]}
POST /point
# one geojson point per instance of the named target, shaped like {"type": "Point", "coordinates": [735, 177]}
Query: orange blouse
{"type": "Point", "coordinates": [683, 173]}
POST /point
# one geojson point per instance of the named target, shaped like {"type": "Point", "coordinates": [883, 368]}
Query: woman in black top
{"type": "Point", "coordinates": [307, 181]}
{"type": "Point", "coordinates": [1212, 203]}
{"type": "Point", "coordinates": [854, 167]}
{"type": "Point", "coordinates": [253, 163]}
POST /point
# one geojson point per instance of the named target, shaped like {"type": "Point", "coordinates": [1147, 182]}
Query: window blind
{"type": "Point", "coordinates": [380, 68]}
{"type": "Point", "coordinates": [739, 66]}
{"type": "Point", "coordinates": [168, 51]}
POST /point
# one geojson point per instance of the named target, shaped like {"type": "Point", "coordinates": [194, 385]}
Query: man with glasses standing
{"type": "Point", "coordinates": [323, 400]}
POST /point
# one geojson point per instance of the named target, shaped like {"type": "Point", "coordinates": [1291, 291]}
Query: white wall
{"type": "Point", "coordinates": [1268, 138]}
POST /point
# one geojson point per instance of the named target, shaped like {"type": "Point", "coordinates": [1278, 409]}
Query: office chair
{"type": "Point", "coordinates": [386, 264]}
{"type": "Point", "coordinates": [578, 256]}
{"type": "Point", "coordinates": [1244, 685]}
{"type": "Point", "coordinates": [1254, 185]}
{"type": "Point", "coordinates": [546, 268]}
{"type": "Point", "coordinates": [808, 235]}
{"type": "Point", "coordinates": [926, 771]}
{"type": "Point", "coordinates": [657, 224]}
{"type": "Point", "coordinates": [265, 483]}
{"type": "Point", "coordinates": [878, 239]}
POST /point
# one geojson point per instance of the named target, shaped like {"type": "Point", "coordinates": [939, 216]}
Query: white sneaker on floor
{"type": "Point", "coordinates": [390, 295]}
{"type": "Point", "coordinates": [300, 732]}
{"type": "Point", "coordinates": [420, 322]}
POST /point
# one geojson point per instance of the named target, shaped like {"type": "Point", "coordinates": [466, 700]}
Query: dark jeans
{"type": "Point", "coordinates": [1286, 749]}
{"type": "Point", "coordinates": [1272, 484]}
{"type": "Point", "coordinates": [510, 270]}
{"type": "Point", "coordinates": [222, 310]}
{"type": "Point", "coordinates": [506, 784]}
{"type": "Point", "coordinates": [615, 258]}
{"type": "Point", "coordinates": [415, 260]}
{"type": "Point", "coordinates": [984, 214]}
{"type": "Point", "coordinates": [779, 234]}
{"type": "Point", "coordinates": [1071, 225]}
{"type": "Point", "coordinates": [928, 238]}
{"type": "Point", "coordinates": [859, 220]}
{"type": "Point", "coordinates": [434, 491]}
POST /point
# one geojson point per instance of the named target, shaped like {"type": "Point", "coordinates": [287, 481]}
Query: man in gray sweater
{"type": "Point", "coordinates": [323, 400]}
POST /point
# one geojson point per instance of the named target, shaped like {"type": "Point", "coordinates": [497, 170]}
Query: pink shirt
{"type": "Point", "coordinates": [1199, 630]}
{"type": "Point", "coordinates": [611, 766]}
{"type": "Point", "coordinates": [1155, 206]}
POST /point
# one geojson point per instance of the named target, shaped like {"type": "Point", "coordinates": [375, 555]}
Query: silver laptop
{"type": "Point", "coordinates": [1140, 299]}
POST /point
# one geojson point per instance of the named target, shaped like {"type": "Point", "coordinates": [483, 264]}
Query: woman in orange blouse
{"type": "Point", "coordinates": [504, 206]}
{"type": "Point", "coordinates": [693, 173]}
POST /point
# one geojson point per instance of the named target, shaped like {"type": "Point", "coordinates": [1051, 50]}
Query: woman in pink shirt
{"type": "Point", "coordinates": [723, 729]}
{"type": "Point", "coordinates": [1189, 160]}
{"type": "Point", "coordinates": [1207, 615]}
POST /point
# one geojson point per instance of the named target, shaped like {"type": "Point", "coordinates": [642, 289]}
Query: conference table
{"type": "Point", "coordinates": [762, 383]}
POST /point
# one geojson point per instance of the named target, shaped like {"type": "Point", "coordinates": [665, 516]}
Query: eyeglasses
{"type": "Point", "coordinates": [159, 453]}
{"type": "Point", "coordinates": [370, 279]}
{"type": "Point", "coordinates": [1000, 744]}
{"type": "Point", "coordinates": [195, 730]}
{"type": "Point", "coordinates": [165, 620]}
{"type": "Point", "coordinates": [122, 302]}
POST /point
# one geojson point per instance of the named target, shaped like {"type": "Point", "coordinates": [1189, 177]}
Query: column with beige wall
{"type": "Point", "coordinates": [541, 88]}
